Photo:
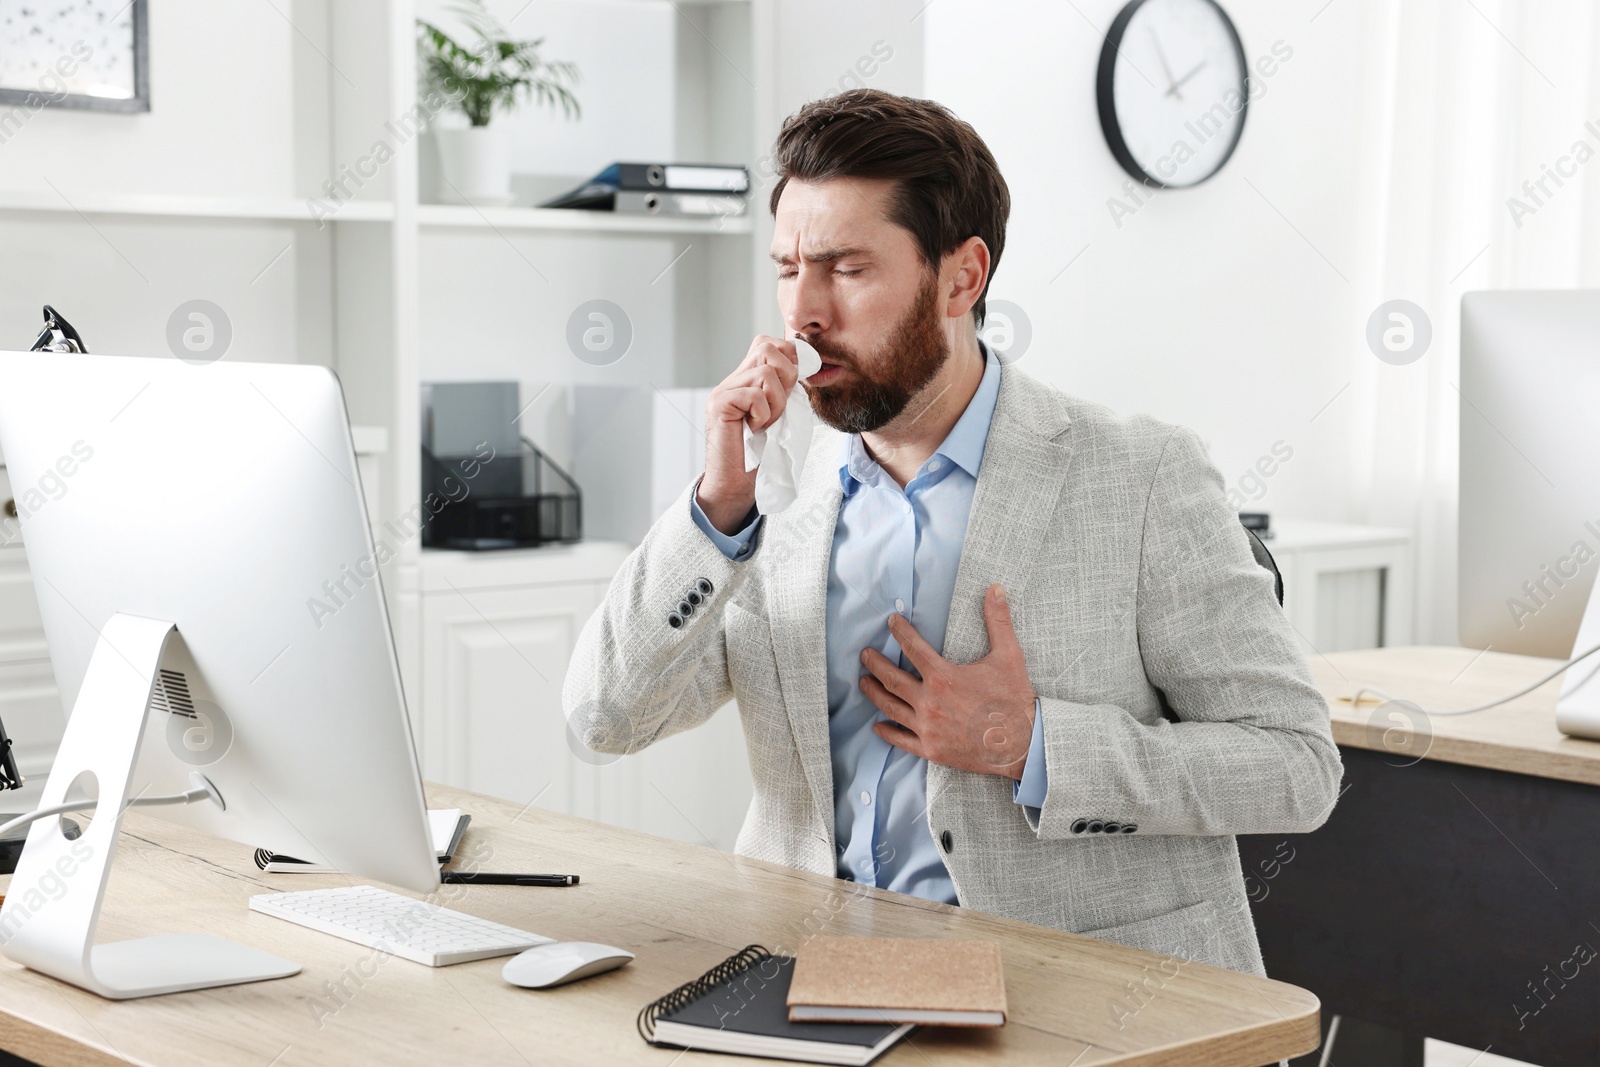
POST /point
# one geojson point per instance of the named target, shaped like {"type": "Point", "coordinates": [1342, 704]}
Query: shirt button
{"type": "Point", "coordinates": [899, 605]}
{"type": "Point", "coordinates": [935, 465]}
{"type": "Point", "coordinates": [866, 797]}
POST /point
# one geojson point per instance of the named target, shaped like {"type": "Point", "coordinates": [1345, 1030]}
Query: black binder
{"type": "Point", "coordinates": [600, 192]}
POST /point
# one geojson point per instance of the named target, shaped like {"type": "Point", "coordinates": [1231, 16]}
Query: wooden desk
{"type": "Point", "coordinates": [1458, 871]}
{"type": "Point", "coordinates": [1520, 737]}
{"type": "Point", "coordinates": [681, 908]}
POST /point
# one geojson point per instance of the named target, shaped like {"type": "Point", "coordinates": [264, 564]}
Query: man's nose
{"type": "Point", "coordinates": [809, 308]}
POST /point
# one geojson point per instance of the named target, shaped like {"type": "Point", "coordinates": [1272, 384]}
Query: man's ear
{"type": "Point", "coordinates": [962, 276]}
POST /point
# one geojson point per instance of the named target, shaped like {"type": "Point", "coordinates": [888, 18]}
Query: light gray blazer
{"type": "Point", "coordinates": [1176, 703]}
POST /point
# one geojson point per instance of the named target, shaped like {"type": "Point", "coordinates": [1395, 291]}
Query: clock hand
{"type": "Point", "coordinates": [1177, 84]}
{"type": "Point", "coordinates": [1160, 55]}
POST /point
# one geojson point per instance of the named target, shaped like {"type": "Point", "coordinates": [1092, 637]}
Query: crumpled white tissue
{"type": "Point", "coordinates": [778, 453]}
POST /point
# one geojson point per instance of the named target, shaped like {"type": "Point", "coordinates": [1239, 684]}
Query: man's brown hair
{"type": "Point", "coordinates": [948, 186]}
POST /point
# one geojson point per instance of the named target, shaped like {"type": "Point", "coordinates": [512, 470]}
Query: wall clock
{"type": "Point", "coordinates": [1173, 88]}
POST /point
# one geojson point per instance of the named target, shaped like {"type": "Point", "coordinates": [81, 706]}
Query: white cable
{"type": "Point", "coordinates": [34, 816]}
{"type": "Point", "coordinates": [199, 792]}
{"type": "Point", "coordinates": [1355, 701]}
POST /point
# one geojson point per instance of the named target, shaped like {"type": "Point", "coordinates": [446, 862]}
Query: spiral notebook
{"type": "Point", "coordinates": [741, 1006]}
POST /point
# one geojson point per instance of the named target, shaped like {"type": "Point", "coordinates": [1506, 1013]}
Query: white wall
{"type": "Point", "coordinates": [226, 121]}
{"type": "Point", "coordinates": [828, 46]}
{"type": "Point", "coordinates": [1463, 103]}
{"type": "Point", "coordinates": [221, 119]}
{"type": "Point", "coordinates": [822, 47]}
{"type": "Point", "coordinates": [1220, 307]}
{"type": "Point", "coordinates": [1378, 165]}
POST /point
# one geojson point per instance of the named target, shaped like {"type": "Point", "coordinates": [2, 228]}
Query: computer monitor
{"type": "Point", "coordinates": [1530, 468]}
{"type": "Point", "coordinates": [203, 561]}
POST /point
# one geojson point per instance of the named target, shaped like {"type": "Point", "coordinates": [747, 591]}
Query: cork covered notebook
{"type": "Point", "coordinates": [898, 980]}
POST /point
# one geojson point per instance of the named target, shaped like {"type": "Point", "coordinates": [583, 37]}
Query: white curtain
{"type": "Point", "coordinates": [1463, 101]}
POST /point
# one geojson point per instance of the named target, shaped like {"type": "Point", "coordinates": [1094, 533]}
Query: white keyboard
{"type": "Point", "coordinates": [411, 929]}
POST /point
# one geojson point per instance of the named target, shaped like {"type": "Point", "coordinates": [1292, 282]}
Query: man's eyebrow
{"type": "Point", "coordinates": [826, 255]}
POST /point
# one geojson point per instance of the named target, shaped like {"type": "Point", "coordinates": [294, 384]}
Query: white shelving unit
{"type": "Point", "coordinates": [118, 220]}
{"type": "Point", "coordinates": [513, 218]}
{"type": "Point", "coordinates": [489, 636]}
{"type": "Point", "coordinates": [211, 195]}
{"type": "Point", "coordinates": [201, 207]}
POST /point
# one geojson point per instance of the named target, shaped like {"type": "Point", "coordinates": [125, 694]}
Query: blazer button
{"type": "Point", "coordinates": [704, 586]}
{"type": "Point", "coordinates": [1080, 825]}
{"type": "Point", "coordinates": [1095, 826]}
{"type": "Point", "coordinates": [694, 597]}
{"type": "Point", "coordinates": [1129, 828]}
{"type": "Point", "coordinates": [1113, 828]}
{"type": "Point", "coordinates": [946, 842]}
{"type": "Point", "coordinates": [674, 620]}
{"type": "Point", "coordinates": [685, 608]}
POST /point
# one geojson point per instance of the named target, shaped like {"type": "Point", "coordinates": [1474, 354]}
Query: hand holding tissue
{"type": "Point", "coordinates": [778, 453]}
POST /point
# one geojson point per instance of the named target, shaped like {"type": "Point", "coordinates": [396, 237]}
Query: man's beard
{"type": "Point", "coordinates": [879, 388]}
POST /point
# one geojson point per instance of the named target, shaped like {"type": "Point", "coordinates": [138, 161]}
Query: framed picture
{"type": "Point", "coordinates": [91, 54]}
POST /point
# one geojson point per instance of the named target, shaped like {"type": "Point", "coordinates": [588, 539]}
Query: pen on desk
{"type": "Point", "coordinates": [482, 878]}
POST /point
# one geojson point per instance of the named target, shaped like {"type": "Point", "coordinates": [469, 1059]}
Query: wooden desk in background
{"type": "Point", "coordinates": [681, 908]}
{"type": "Point", "coordinates": [1455, 890]}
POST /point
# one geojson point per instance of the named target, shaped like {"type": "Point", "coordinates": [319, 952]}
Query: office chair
{"type": "Point", "coordinates": [1259, 549]}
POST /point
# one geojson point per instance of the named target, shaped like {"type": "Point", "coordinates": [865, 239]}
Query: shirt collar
{"type": "Point", "coordinates": [963, 446]}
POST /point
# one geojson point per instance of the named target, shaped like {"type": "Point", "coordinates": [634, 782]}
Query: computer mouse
{"type": "Point", "coordinates": [560, 962]}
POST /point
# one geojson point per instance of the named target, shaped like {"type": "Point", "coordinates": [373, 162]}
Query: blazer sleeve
{"type": "Point", "coordinates": [635, 676]}
{"type": "Point", "coordinates": [1251, 750]}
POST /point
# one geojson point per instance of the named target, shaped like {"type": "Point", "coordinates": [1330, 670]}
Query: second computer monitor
{"type": "Point", "coordinates": [1530, 468]}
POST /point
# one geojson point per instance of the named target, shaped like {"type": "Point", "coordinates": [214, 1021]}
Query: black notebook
{"type": "Point", "coordinates": [742, 1006]}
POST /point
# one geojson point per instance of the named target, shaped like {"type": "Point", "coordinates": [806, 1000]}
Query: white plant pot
{"type": "Point", "coordinates": [475, 164]}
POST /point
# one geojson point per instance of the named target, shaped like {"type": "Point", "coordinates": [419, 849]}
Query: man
{"type": "Point", "coordinates": [1007, 649]}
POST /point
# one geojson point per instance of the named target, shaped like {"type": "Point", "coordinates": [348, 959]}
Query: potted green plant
{"type": "Point", "coordinates": [481, 78]}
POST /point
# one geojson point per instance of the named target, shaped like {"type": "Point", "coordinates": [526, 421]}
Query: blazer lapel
{"type": "Point", "coordinates": [797, 547]}
{"type": "Point", "coordinates": [1024, 467]}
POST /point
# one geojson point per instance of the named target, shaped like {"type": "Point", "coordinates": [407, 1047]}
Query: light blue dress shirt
{"type": "Point", "coordinates": [894, 551]}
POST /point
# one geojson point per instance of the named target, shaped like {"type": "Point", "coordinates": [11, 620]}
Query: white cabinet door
{"type": "Point", "coordinates": [694, 786]}
{"type": "Point", "coordinates": [493, 664]}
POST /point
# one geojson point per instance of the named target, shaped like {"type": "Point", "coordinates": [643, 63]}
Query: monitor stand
{"type": "Point", "coordinates": [53, 904]}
